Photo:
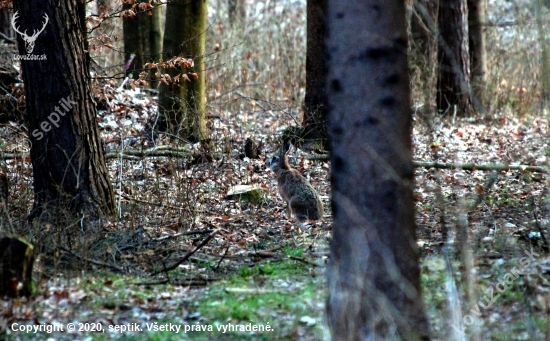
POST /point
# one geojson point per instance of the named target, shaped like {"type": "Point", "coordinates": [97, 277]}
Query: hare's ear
{"type": "Point", "coordinates": [286, 146]}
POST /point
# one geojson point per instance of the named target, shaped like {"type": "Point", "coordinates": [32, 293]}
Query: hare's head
{"type": "Point", "coordinates": [280, 160]}
{"type": "Point", "coordinates": [274, 163]}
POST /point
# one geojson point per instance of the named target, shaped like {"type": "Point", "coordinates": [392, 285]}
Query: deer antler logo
{"type": "Point", "coordinates": [29, 41]}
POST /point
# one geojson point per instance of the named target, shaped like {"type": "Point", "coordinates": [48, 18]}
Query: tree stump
{"type": "Point", "coordinates": [252, 149]}
{"type": "Point", "coordinates": [16, 262]}
{"type": "Point", "coordinates": [3, 188]}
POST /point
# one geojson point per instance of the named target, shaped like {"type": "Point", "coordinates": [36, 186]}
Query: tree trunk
{"type": "Point", "coordinates": [423, 38]}
{"type": "Point", "coordinates": [66, 153]}
{"type": "Point", "coordinates": [453, 79]}
{"type": "Point", "coordinates": [314, 126]}
{"type": "Point", "coordinates": [373, 275]}
{"type": "Point", "coordinates": [182, 104]}
{"type": "Point", "coordinates": [5, 24]}
{"type": "Point", "coordinates": [423, 53]}
{"type": "Point", "coordinates": [544, 55]}
{"type": "Point", "coordinates": [142, 39]}
{"type": "Point", "coordinates": [476, 20]}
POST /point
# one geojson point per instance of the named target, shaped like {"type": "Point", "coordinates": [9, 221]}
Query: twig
{"type": "Point", "coordinates": [164, 281]}
{"type": "Point", "coordinates": [464, 166]}
{"type": "Point", "coordinates": [222, 258]}
{"type": "Point", "coordinates": [153, 203]}
{"type": "Point", "coordinates": [9, 39]}
{"type": "Point", "coordinates": [188, 233]}
{"type": "Point", "coordinates": [195, 281]}
{"type": "Point", "coordinates": [189, 254]}
{"type": "Point", "coordinates": [484, 167]}
{"type": "Point", "coordinates": [304, 260]}
{"type": "Point", "coordinates": [270, 253]}
{"type": "Point", "coordinates": [167, 151]}
{"type": "Point", "coordinates": [319, 254]}
{"type": "Point", "coordinates": [264, 254]}
{"type": "Point", "coordinates": [186, 282]}
{"type": "Point", "coordinates": [11, 156]}
{"type": "Point", "coordinates": [92, 261]}
{"type": "Point", "coordinates": [138, 154]}
{"type": "Point", "coordinates": [277, 248]}
{"type": "Point", "coordinates": [255, 291]}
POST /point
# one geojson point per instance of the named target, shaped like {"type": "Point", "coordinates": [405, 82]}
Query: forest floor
{"type": "Point", "coordinates": [245, 264]}
{"type": "Point", "coordinates": [506, 217]}
{"type": "Point", "coordinates": [255, 268]}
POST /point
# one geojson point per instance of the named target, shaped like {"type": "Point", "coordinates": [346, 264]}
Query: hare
{"type": "Point", "coordinates": [301, 198]}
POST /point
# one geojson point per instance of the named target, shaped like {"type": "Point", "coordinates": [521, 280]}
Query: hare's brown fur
{"type": "Point", "coordinates": [301, 198]}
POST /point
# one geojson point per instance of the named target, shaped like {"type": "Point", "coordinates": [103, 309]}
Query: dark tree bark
{"type": "Point", "coordinates": [373, 275]}
{"type": "Point", "coordinates": [314, 126]}
{"type": "Point", "coordinates": [478, 56]}
{"type": "Point", "coordinates": [67, 154]}
{"type": "Point", "coordinates": [453, 79]}
{"type": "Point", "coordinates": [182, 104]}
{"type": "Point", "coordinates": [4, 189]}
{"type": "Point", "coordinates": [142, 38]}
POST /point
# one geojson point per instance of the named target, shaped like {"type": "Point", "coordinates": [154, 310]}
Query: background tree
{"type": "Point", "coordinates": [421, 32]}
{"type": "Point", "coordinates": [423, 53]}
{"type": "Point", "coordinates": [6, 31]}
{"type": "Point", "coordinates": [67, 153]}
{"type": "Point", "coordinates": [10, 109]}
{"type": "Point", "coordinates": [142, 36]}
{"type": "Point", "coordinates": [314, 124]}
{"type": "Point", "coordinates": [182, 104]}
{"type": "Point", "coordinates": [373, 275]}
{"type": "Point", "coordinates": [544, 60]}
{"type": "Point", "coordinates": [236, 11]}
{"type": "Point", "coordinates": [453, 79]}
{"type": "Point", "coordinates": [478, 56]}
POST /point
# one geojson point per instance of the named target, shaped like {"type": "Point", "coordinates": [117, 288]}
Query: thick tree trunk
{"type": "Point", "coordinates": [67, 153]}
{"type": "Point", "coordinates": [142, 39]}
{"type": "Point", "coordinates": [182, 104]}
{"type": "Point", "coordinates": [478, 56]}
{"type": "Point", "coordinates": [453, 80]}
{"type": "Point", "coordinates": [373, 275]}
{"type": "Point", "coordinates": [314, 124]}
